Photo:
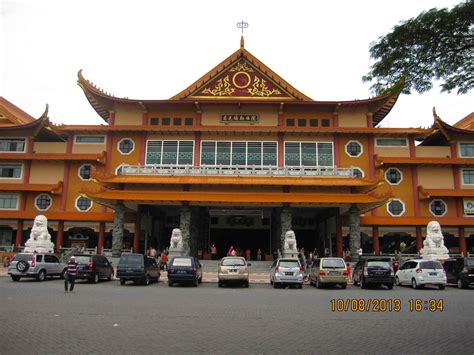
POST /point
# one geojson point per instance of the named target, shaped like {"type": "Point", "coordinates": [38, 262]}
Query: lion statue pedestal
{"type": "Point", "coordinates": [289, 245]}
{"type": "Point", "coordinates": [40, 239]}
{"type": "Point", "coordinates": [176, 243]}
{"type": "Point", "coordinates": [433, 246]}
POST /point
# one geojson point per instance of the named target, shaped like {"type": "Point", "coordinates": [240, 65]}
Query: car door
{"type": "Point", "coordinates": [52, 264]}
{"type": "Point", "coordinates": [357, 272]}
{"type": "Point", "coordinates": [198, 269]}
{"type": "Point", "coordinates": [272, 270]}
{"type": "Point", "coordinates": [402, 272]}
{"type": "Point", "coordinates": [449, 267]}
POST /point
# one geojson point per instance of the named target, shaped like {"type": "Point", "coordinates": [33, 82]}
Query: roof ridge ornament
{"type": "Point", "coordinates": [242, 25]}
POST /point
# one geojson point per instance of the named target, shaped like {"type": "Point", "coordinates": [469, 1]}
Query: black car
{"type": "Point", "coordinates": [460, 271]}
{"type": "Point", "coordinates": [184, 269]}
{"type": "Point", "coordinates": [93, 267]}
{"type": "Point", "coordinates": [374, 271]}
{"type": "Point", "coordinates": [137, 268]}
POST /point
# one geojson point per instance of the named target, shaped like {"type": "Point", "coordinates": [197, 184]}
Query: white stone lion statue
{"type": "Point", "coordinates": [39, 231]}
{"type": "Point", "coordinates": [176, 239]}
{"type": "Point", "coordinates": [434, 236]}
{"type": "Point", "coordinates": [290, 241]}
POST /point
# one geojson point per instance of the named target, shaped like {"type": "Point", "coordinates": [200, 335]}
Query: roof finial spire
{"type": "Point", "coordinates": [242, 25]}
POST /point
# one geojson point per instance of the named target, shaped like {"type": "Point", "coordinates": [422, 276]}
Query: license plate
{"type": "Point", "coordinates": [333, 272]}
{"type": "Point", "coordinates": [288, 273]}
{"type": "Point", "coordinates": [471, 274]}
{"type": "Point", "coordinates": [433, 273]}
{"type": "Point", "coordinates": [181, 271]}
{"type": "Point", "coordinates": [379, 272]}
{"type": "Point", "coordinates": [232, 270]}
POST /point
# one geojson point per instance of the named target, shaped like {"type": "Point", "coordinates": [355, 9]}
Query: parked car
{"type": "Point", "coordinates": [184, 269]}
{"type": "Point", "coordinates": [233, 269]}
{"type": "Point", "coordinates": [93, 267]}
{"type": "Point", "coordinates": [329, 271]}
{"type": "Point", "coordinates": [460, 271]}
{"type": "Point", "coordinates": [419, 273]}
{"type": "Point", "coordinates": [374, 271]}
{"type": "Point", "coordinates": [286, 272]}
{"type": "Point", "coordinates": [137, 268]}
{"type": "Point", "coordinates": [37, 265]}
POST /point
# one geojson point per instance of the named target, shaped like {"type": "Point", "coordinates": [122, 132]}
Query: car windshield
{"type": "Point", "coordinates": [334, 263]}
{"type": "Point", "coordinates": [289, 263]}
{"type": "Point", "coordinates": [131, 259]}
{"type": "Point", "coordinates": [25, 257]}
{"type": "Point", "coordinates": [181, 262]}
{"type": "Point", "coordinates": [233, 262]}
{"type": "Point", "coordinates": [385, 264]}
{"type": "Point", "coordinates": [431, 265]}
{"type": "Point", "coordinates": [82, 259]}
{"type": "Point", "coordinates": [470, 261]}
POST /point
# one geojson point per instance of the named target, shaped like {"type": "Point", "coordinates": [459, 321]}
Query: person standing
{"type": "Point", "coordinates": [247, 254]}
{"type": "Point", "coordinates": [70, 274]}
{"type": "Point", "coordinates": [259, 254]}
{"type": "Point", "coordinates": [213, 252]}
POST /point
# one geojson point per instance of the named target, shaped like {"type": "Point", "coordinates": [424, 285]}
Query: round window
{"type": "Point", "coordinates": [354, 148]}
{"type": "Point", "coordinates": [85, 172]}
{"type": "Point", "coordinates": [396, 207]}
{"type": "Point", "coordinates": [83, 203]}
{"type": "Point", "coordinates": [126, 146]}
{"type": "Point", "coordinates": [43, 202]}
{"type": "Point", "coordinates": [438, 207]}
{"type": "Point", "coordinates": [357, 173]}
{"type": "Point", "coordinates": [393, 176]}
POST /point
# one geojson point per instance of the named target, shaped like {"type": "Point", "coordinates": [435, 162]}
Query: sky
{"type": "Point", "coordinates": [144, 49]}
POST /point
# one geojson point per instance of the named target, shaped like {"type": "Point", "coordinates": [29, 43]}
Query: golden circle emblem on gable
{"type": "Point", "coordinates": [241, 80]}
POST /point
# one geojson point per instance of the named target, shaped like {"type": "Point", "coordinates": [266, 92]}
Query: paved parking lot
{"type": "Point", "coordinates": [109, 318]}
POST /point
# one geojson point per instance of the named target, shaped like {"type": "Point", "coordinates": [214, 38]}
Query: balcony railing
{"type": "Point", "coordinates": [227, 170]}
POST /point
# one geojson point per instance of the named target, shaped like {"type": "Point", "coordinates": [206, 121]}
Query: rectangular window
{"type": "Point", "coordinates": [309, 154]}
{"type": "Point", "coordinates": [325, 123]}
{"type": "Point", "coordinates": [10, 171]}
{"type": "Point", "coordinates": [239, 153]}
{"type": "Point", "coordinates": [165, 121]}
{"type": "Point", "coordinates": [188, 121]}
{"type": "Point", "coordinates": [177, 121]}
{"type": "Point", "coordinates": [154, 121]}
{"type": "Point", "coordinates": [313, 122]}
{"type": "Point", "coordinates": [15, 145]}
{"type": "Point", "coordinates": [6, 236]}
{"type": "Point", "coordinates": [468, 177]}
{"type": "Point", "coordinates": [301, 122]}
{"type": "Point", "coordinates": [466, 150]}
{"type": "Point", "coordinates": [90, 139]}
{"type": "Point", "coordinates": [290, 122]}
{"type": "Point", "coordinates": [391, 142]}
{"type": "Point", "coordinates": [169, 152]}
{"type": "Point", "coordinates": [8, 201]}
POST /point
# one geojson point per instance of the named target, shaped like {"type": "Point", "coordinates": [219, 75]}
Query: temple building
{"type": "Point", "coordinates": [237, 158]}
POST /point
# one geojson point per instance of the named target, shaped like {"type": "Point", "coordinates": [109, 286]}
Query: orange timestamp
{"type": "Point", "coordinates": [380, 305]}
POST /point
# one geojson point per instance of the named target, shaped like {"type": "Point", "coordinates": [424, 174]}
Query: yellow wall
{"type": "Point", "coordinates": [346, 161]}
{"type": "Point", "coordinates": [353, 117]}
{"type": "Point", "coordinates": [50, 147]}
{"type": "Point", "coordinates": [89, 148]}
{"type": "Point", "coordinates": [392, 152]}
{"type": "Point", "coordinates": [133, 158]}
{"type": "Point", "coordinates": [450, 203]}
{"type": "Point", "coordinates": [435, 177]}
{"type": "Point", "coordinates": [128, 115]}
{"type": "Point", "coordinates": [46, 172]}
{"type": "Point", "coordinates": [268, 115]}
{"type": "Point", "coordinates": [433, 152]}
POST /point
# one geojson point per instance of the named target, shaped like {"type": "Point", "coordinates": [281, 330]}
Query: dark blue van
{"type": "Point", "coordinates": [186, 269]}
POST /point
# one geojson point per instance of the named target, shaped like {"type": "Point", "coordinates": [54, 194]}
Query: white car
{"type": "Point", "coordinates": [418, 273]}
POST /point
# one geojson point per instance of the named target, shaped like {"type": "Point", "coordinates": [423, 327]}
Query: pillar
{"type": "Point", "coordinates": [462, 242]}
{"type": "Point", "coordinates": [419, 242]}
{"type": "Point", "coordinates": [354, 231]}
{"type": "Point", "coordinates": [59, 238]}
{"type": "Point", "coordinates": [338, 235]}
{"type": "Point", "coordinates": [100, 244]}
{"type": "Point", "coordinates": [117, 231]}
{"type": "Point", "coordinates": [375, 240]}
{"type": "Point", "coordinates": [136, 233]}
{"type": "Point", "coordinates": [185, 227]}
{"type": "Point", "coordinates": [19, 234]}
{"type": "Point", "coordinates": [281, 150]}
{"type": "Point", "coordinates": [197, 149]}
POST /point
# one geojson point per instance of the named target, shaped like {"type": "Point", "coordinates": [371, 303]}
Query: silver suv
{"type": "Point", "coordinates": [37, 265]}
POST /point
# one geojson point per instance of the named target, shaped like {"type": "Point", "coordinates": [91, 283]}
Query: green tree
{"type": "Point", "coordinates": [436, 45]}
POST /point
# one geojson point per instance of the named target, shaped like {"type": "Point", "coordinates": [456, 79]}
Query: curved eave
{"type": "Point", "coordinates": [231, 197]}
{"type": "Point", "coordinates": [425, 194]}
{"type": "Point", "coordinates": [443, 133]}
{"type": "Point", "coordinates": [14, 112]}
{"type": "Point", "coordinates": [329, 181]}
{"type": "Point", "coordinates": [51, 188]}
{"type": "Point", "coordinates": [40, 129]}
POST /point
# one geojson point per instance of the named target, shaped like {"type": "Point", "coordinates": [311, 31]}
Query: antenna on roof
{"type": "Point", "coordinates": [242, 25]}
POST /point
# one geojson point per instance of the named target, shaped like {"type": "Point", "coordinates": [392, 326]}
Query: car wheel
{"type": "Point", "coordinates": [441, 287]}
{"type": "Point", "coordinates": [275, 285]}
{"type": "Point", "coordinates": [246, 284]}
{"type": "Point", "coordinates": [41, 275]}
{"type": "Point", "coordinates": [200, 280]}
{"type": "Point", "coordinates": [271, 281]}
{"type": "Point", "coordinates": [16, 278]}
{"type": "Point", "coordinates": [146, 280]}
{"type": "Point", "coordinates": [363, 284]}
{"type": "Point", "coordinates": [219, 284]}
{"type": "Point", "coordinates": [122, 282]}
{"type": "Point", "coordinates": [414, 284]}
{"type": "Point", "coordinates": [343, 286]}
{"type": "Point", "coordinates": [317, 283]}
{"type": "Point", "coordinates": [95, 278]}
{"type": "Point", "coordinates": [390, 286]}
{"type": "Point", "coordinates": [397, 281]}
{"type": "Point", "coordinates": [354, 282]}
{"type": "Point", "coordinates": [170, 283]}
{"type": "Point", "coordinates": [63, 274]}
{"type": "Point", "coordinates": [195, 283]}
{"type": "Point", "coordinates": [461, 284]}
{"type": "Point", "coordinates": [22, 266]}
{"type": "Point", "coordinates": [300, 286]}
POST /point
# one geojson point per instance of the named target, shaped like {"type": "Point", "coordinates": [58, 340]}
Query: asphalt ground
{"type": "Point", "coordinates": [39, 317]}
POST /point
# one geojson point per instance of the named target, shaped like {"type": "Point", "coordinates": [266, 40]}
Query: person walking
{"type": "Point", "coordinates": [70, 274]}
